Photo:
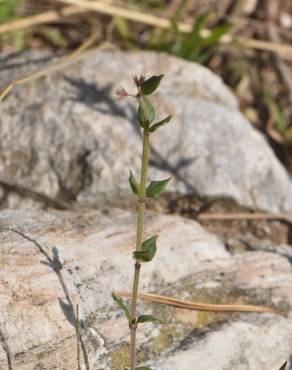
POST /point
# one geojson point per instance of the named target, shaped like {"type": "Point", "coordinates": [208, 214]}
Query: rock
{"type": "Point", "coordinates": [52, 261]}
{"type": "Point", "coordinates": [67, 137]}
{"type": "Point", "coordinates": [230, 347]}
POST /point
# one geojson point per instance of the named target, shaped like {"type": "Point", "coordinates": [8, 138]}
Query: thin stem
{"type": "Point", "coordinates": [78, 337]}
{"type": "Point", "coordinates": [140, 223]}
{"type": "Point", "coordinates": [142, 194]}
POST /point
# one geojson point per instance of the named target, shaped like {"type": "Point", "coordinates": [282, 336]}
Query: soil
{"type": "Point", "coordinates": [276, 231]}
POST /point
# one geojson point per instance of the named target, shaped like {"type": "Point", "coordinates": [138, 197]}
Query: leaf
{"type": "Point", "coordinates": [8, 10]}
{"type": "Point", "coordinates": [149, 318]}
{"type": "Point", "coordinates": [19, 39]}
{"type": "Point", "coordinates": [122, 27]}
{"type": "Point", "coordinates": [288, 137]}
{"type": "Point", "coordinates": [150, 85]}
{"type": "Point", "coordinates": [134, 184]}
{"type": "Point", "coordinates": [122, 305]}
{"type": "Point", "coordinates": [201, 55]}
{"type": "Point", "coordinates": [148, 250]}
{"type": "Point", "coordinates": [276, 112]}
{"type": "Point", "coordinates": [156, 187]}
{"type": "Point", "coordinates": [193, 40]}
{"type": "Point", "coordinates": [159, 124]}
{"type": "Point", "coordinates": [283, 367]}
{"type": "Point", "coordinates": [146, 112]}
{"type": "Point", "coordinates": [54, 36]}
{"type": "Point", "coordinates": [179, 12]}
{"type": "Point", "coordinates": [216, 34]}
{"type": "Point", "coordinates": [125, 31]}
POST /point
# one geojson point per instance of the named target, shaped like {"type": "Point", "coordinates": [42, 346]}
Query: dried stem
{"type": "Point", "coordinates": [35, 20]}
{"type": "Point", "coordinates": [198, 306]}
{"type": "Point", "coordinates": [78, 337]}
{"type": "Point", "coordinates": [284, 50]}
{"type": "Point", "coordinates": [73, 57]}
{"type": "Point", "coordinates": [140, 223]}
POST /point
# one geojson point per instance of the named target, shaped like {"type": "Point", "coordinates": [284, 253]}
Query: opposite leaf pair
{"type": "Point", "coordinates": [141, 319]}
{"type": "Point", "coordinates": [146, 111]}
{"type": "Point", "coordinates": [148, 250]}
{"type": "Point", "coordinates": [146, 115]}
{"type": "Point", "coordinates": [155, 188]}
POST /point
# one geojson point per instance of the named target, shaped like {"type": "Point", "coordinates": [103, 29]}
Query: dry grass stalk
{"type": "Point", "coordinates": [80, 6]}
{"type": "Point", "coordinates": [197, 306]}
{"type": "Point", "coordinates": [73, 57]}
{"type": "Point", "coordinates": [282, 49]}
{"type": "Point", "coordinates": [245, 216]}
{"type": "Point", "coordinates": [45, 17]}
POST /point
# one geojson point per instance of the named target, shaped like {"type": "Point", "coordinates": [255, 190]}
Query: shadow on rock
{"type": "Point", "coordinates": [97, 98]}
{"type": "Point", "coordinates": [6, 349]}
{"type": "Point", "coordinates": [101, 99]}
{"type": "Point", "coordinates": [66, 304]}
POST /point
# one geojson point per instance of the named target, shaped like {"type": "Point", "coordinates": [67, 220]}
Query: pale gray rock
{"type": "Point", "coordinates": [67, 137]}
{"type": "Point", "coordinates": [52, 261]}
{"type": "Point", "coordinates": [239, 345]}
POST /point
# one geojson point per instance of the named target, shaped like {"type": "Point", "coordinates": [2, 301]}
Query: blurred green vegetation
{"type": "Point", "coordinates": [276, 112]}
{"type": "Point", "coordinates": [190, 46]}
{"type": "Point", "coordinates": [244, 71]}
{"type": "Point", "coordinates": [8, 10]}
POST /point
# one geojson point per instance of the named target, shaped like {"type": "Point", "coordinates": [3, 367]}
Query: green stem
{"type": "Point", "coordinates": [140, 223]}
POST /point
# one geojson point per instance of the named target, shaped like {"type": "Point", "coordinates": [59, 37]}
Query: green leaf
{"type": "Point", "coordinates": [194, 39]}
{"type": "Point", "coordinates": [122, 305]}
{"type": "Point", "coordinates": [276, 112]}
{"type": "Point", "coordinates": [150, 85]}
{"type": "Point", "coordinates": [283, 367]}
{"type": "Point", "coordinates": [156, 187]}
{"type": "Point", "coordinates": [20, 40]}
{"type": "Point", "coordinates": [122, 26]}
{"type": "Point", "coordinates": [159, 124]}
{"type": "Point", "coordinates": [53, 35]}
{"type": "Point", "coordinates": [8, 10]}
{"type": "Point", "coordinates": [148, 250]}
{"type": "Point", "coordinates": [125, 31]}
{"type": "Point", "coordinates": [134, 184]}
{"type": "Point", "coordinates": [149, 318]}
{"type": "Point", "coordinates": [179, 12]}
{"type": "Point", "coordinates": [146, 112]}
{"type": "Point", "coordinates": [216, 34]}
{"type": "Point", "coordinates": [288, 137]}
{"type": "Point", "coordinates": [201, 55]}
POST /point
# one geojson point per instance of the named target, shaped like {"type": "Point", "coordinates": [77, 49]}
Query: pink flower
{"type": "Point", "coordinates": [121, 93]}
{"type": "Point", "coordinates": [139, 80]}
